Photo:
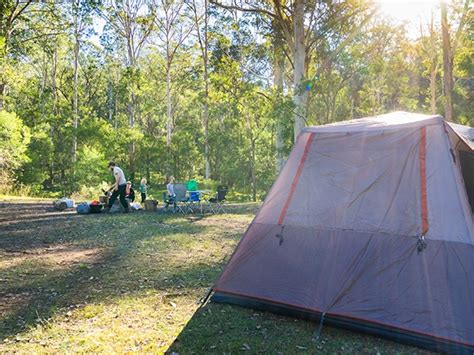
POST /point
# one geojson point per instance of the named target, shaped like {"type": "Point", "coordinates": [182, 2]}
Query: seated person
{"type": "Point", "coordinates": [171, 194]}
{"type": "Point", "coordinates": [129, 192]}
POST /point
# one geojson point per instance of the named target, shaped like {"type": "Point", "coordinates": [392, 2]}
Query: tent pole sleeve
{"type": "Point", "coordinates": [424, 203]}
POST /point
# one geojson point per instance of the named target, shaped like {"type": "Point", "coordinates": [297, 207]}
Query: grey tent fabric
{"type": "Point", "coordinates": [464, 133]}
{"type": "Point", "coordinates": [369, 220]}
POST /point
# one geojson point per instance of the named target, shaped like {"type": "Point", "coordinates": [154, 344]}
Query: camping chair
{"type": "Point", "coordinates": [194, 200]}
{"type": "Point", "coordinates": [168, 200]}
{"type": "Point", "coordinates": [181, 199]}
{"type": "Point", "coordinates": [216, 204]}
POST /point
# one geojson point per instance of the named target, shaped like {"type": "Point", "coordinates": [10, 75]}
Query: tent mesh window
{"type": "Point", "coordinates": [467, 168]}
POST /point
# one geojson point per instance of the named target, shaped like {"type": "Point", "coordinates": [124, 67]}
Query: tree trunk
{"type": "Point", "coordinates": [44, 78]}
{"type": "Point", "coordinates": [206, 96]}
{"type": "Point", "coordinates": [447, 65]}
{"type": "Point", "coordinates": [54, 88]}
{"type": "Point", "coordinates": [131, 111]}
{"type": "Point", "coordinates": [110, 101]}
{"type": "Point", "coordinates": [168, 104]}
{"type": "Point", "coordinates": [2, 95]}
{"type": "Point", "coordinates": [55, 110]}
{"type": "Point", "coordinates": [115, 113]}
{"type": "Point", "coordinates": [433, 88]}
{"type": "Point", "coordinates": [278, 82]}
{"type": "Point", "coordinates": [253, 173]}
{"type": "Point", "coordinates": [75, 97]}
{"type": "Point", "coordinates": [300, 95]}
{"type": "Point", "coordinates": [3, 62]}
{"type": "Point", "coordinates": [433, 53]}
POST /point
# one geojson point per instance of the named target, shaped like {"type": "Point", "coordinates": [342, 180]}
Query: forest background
{"type": "Point", "coordinates": [215, 91]}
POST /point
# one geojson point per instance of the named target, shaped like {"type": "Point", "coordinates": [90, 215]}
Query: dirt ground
{"type": "Point", "coordinates": [27, 238]}
{"type": "Point", "coordinates": [23, 226]}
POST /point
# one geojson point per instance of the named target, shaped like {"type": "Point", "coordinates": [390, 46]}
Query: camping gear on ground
{"type": "Point", "coordinates": [96, 207]}
{"type": "Point", "coordinates": [216, 203]}
{"type": "Point", "coordinates": [368, 227]}
{"type": "Point", "coordinates": [63, 204]}
{"type": "Point", "coordinates": [83, 208]}
{"type": "Point", "coordinates": [192, 185]}
{"type": "Point", "coordinates": [117, 207]}
{"type": "Point", "coordinates": [150, 205]}
{"type": "Point", "coordinates": [135, 206]}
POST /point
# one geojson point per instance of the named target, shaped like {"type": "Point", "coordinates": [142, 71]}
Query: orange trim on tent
{"type": "Point", "coordinates": [424, 203]}
{"type": "Point", "coordinates": [295, 179]}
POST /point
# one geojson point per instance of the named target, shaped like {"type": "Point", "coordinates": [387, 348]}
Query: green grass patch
{"type": "Point", "coordinates": [133, 283]}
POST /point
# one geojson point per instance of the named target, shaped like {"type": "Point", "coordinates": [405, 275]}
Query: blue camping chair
{"type": "Point", "coordinates": [194, 201]}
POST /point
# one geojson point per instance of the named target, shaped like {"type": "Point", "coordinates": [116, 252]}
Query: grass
{"type": "Point", "coordinates": [133, 283]}
{"type": "Point", "coordinates": [12, 199]}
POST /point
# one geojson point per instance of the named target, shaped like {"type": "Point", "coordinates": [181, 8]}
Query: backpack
{"type": "Point", "coordinates": [83, 208]}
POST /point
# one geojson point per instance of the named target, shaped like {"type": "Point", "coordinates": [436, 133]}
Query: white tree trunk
{"type": "Point", "coordinates": [300, 95]}
{"type": "Point", "coordinates": [447, 65]}
{"type": "Point", "coordinates": [278, 81]}
{"type": "Point", "coordinates": [206, 95]}
{"type": "Point", "coordinates": [75, 95]}
{"type": "Point", "coordinates": [169, 108]}
{"type": "Point", "coordinates": [433, 88]}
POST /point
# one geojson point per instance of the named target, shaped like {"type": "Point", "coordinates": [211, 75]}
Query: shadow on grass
{"type": "Point", "coordinates": [40, 300]}
{"type": "Point", "coordinates": [36, 292]}
{"type": "Point", "coordinates": [220, 328]}
{"type": "Point", "coordinates": [177, 257]}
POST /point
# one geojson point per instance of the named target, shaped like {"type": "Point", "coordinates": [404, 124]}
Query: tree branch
{"type": "Point", "coordinates": [244, 9]}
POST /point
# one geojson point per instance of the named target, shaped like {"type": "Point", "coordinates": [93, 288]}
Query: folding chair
{"type": "Point", "coordinates": [181, 198]}
{"type": "Point", "coordinates": [194, 200]}
{"type": "Point", "coordinates": [168, 200]}
{"type": "Point", "coordinates": [216, 204]}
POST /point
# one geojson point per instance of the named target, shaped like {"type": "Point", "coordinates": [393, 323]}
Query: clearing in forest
{"type": "Point", "coordinates": [133, 282]}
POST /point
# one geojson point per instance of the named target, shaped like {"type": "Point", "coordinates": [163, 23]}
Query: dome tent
{"type": "Point", "coordinates": [369, 225]}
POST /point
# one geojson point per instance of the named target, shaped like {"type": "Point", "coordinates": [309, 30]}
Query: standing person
{"type": "Point", "coordinates": [119, 187]}
{"type": "Point", "coordinates": [143, 187]}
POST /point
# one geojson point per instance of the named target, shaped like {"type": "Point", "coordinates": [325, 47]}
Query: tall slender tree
{"type": "Point", "coordinates": [11, 13]}
{"type": "Point", "coordinates": [132, 21]}
{"type": "Point", "coordinates": [449, 50]}
{"type": "Point", "coordinates": [202, 17]}
{"type": "Point", "coordinates": [173, 27]}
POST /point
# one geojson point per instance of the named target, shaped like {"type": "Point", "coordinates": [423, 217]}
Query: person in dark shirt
{"type": "Point", "coordinates": [129, 192]}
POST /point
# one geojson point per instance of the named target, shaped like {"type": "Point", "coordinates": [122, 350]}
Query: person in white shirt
{"type": "Point", "coordinates": [171, 194]}
{"type": "Point", "coordinates": [119, 187]}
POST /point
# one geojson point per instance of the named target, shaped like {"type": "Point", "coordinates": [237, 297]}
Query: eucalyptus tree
{"type": "Point", "coordinates": [430, 49]}
{"type": "Point", "coordinates": [174, 25]}
{"type": "Point", "coordinates": [11, 13]}
{"type": "Point", "coordinates": [20, 22]}
{"type": "Point", "coordinates": [464, 70]}
{"type": "Point", "coordinates": [302, 24]}
{"type": "Point", "coordinates": [81, 13]}
{"type": "Point", "coordinates": [461, 10]}
{"type": "Point", "coordinates": [201, 17]}
{"type": "Point", "coordinates": [131, 22]}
